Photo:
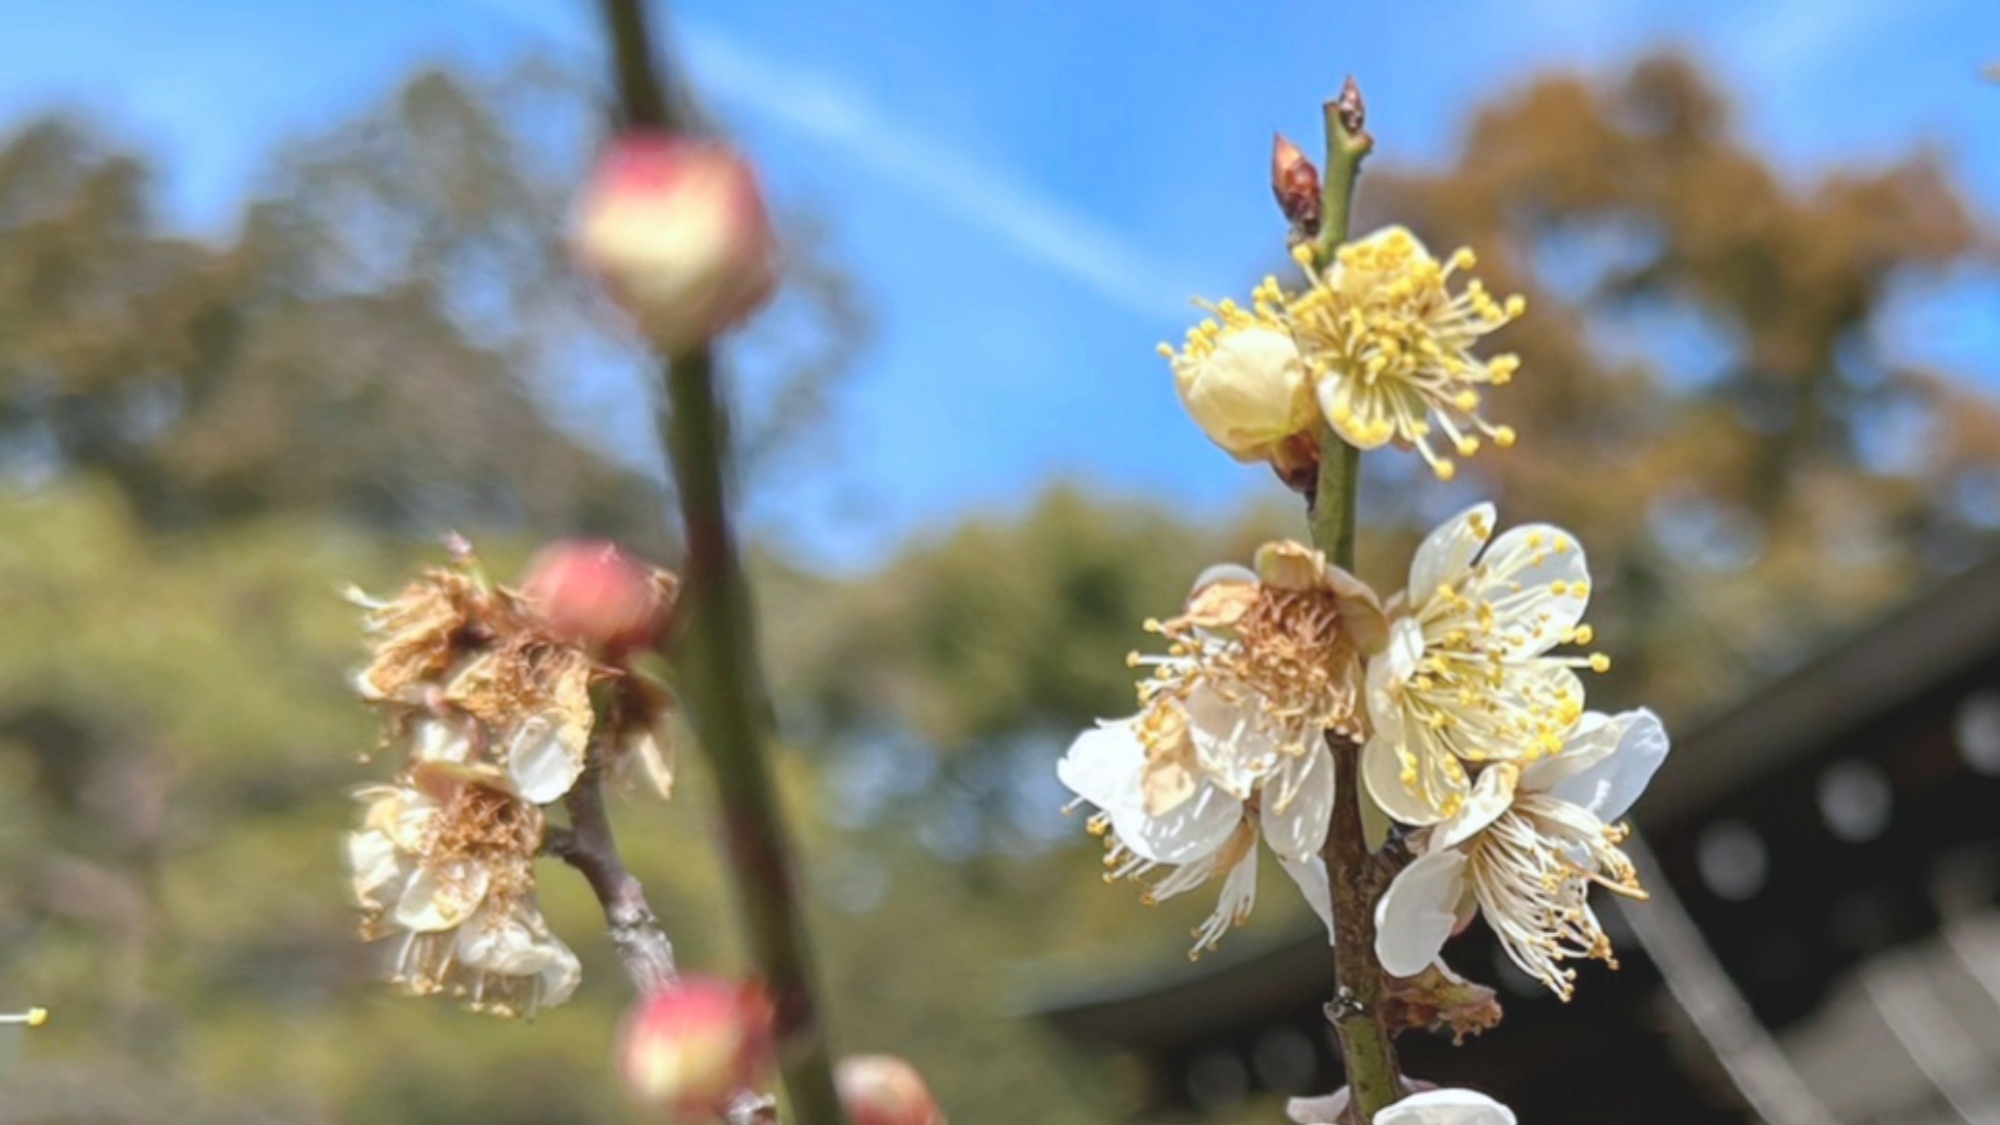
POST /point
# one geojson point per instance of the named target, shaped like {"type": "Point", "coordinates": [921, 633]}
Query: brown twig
{"type": "Point", "coordinates": [1367, 1048]}
{"type": "Point", "coordinates": [588, 845]}
{"type": "Point", "coordinates": [643, 948]}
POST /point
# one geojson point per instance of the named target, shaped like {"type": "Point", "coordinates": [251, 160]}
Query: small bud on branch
{"type": "Point", "coordinates": [1295, 185]}
{"type": "Point", "coordinates": [675, 228]}
{"type": "Point", "coordinates": [884, 1090]}
{"type": "Point", "coordinates": [686, 1049]}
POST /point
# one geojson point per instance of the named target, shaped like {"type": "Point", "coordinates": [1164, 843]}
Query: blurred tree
{"type": "Point", "coordinates": [382, 338]}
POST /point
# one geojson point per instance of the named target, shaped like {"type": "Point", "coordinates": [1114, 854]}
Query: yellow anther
{"type": "Point", "coordinates": [1600, 662]}
{"type": "Point", "coordinates": [1503, 436]}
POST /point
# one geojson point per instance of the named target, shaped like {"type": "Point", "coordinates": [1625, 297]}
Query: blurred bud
{"type": "Point", "coordinates": [685, 1049]}
{"type": "Point", "coordinates": [592, 593]}
{"type": "Point", "coordinates": [1248, 390]}
{"type": "Point", "coordinates": [675, 228]}
{"type": "Point", "coordinates": [884, 1090]}
{"type": "Point", "coordinates": [1295, 183]}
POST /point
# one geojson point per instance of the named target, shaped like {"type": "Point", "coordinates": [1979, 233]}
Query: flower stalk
{"type": "Point", "coordinates": [1367, 1049]}
{"type": "Point", "coordinates": [716, 650]}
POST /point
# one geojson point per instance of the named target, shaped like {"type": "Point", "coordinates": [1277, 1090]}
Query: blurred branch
{"type": "Point", "coordinates": [643, 947]}
{"type": "Point", "coordinates": [588, 846]}
{"type": "Point", "coordinates": [722, 683]}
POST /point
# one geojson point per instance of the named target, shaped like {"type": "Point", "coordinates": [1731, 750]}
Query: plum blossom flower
{"type": "Point", "coordinates": [1231, 739]}
{"type": "Point", "coordinates": [1206, 834]}
{"type": "Point", "coordinates": [1525, 850]}
{"type": "Point", "coordinates": [1467, 676]}
{"type": "Point", "coordinates": [443, 865]}
{"type": "Point", "coordinates": [1389, 346]}
{"type": "Point", "coordinates": [1377, 344]}
{"type": "Point", "coordinates": [1430, 1107]}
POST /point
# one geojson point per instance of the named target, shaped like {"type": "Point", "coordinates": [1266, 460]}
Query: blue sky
{"type": "Point", "coordinates": [1028, 192]}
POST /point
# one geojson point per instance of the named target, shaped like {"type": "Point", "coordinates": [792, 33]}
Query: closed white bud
{"type": "Point", "coordinates": [1247, 389]}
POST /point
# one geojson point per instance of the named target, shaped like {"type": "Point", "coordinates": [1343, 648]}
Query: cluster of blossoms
{"type": "Point", "coordinates": [1460, 697]}
{"type": "Point", "coordinates": [1377, 345]}
{"type": "Point", "coordinates": [1473, 733]}
{"type": "Point", "coordinates": [494, 703]}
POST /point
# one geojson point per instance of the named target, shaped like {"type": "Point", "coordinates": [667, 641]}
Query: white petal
{"type": "Point", "coordinates": [520, 945]}
{"type": "Point", "coordinates": [1385, 708]}
{"type": "Point", "coordinates": [1310, 875]}
{"type": "Point", "coordinates": [1324, 1110]}
{"type": "Point", "coordinates": [1447, 552]}
{"type": "Point", "coordinates": [376, 864]}
{"type": "Point", "coordinates": [540, 764]}
{"type": "Point", "coordinates": [1190, 830]}
{"type": "Point", "coordinates": [1492, 794]}
{"type": "Point", "coordinates": [1222, 572]}
{"type": "Point", "coordinates": [1228, 743]}
{"type": "Point", "coordinates": [1103, 766]}
{"type": "Point", "coordinates": [560, 975]}
{"type": "Point", "coordinates": [438, 742]}
{"type": "Point", "coordinates": [1594, 739]}
{"type": "Point", "coordinates": [1405, 651]}
{"type": "Point", "coordinates": [431, 903]}
{"type": "Point", "coordinates": [1299, 829]}
{"type": "Point", "coordinates": [1416, 915]}
{"type": "Point", "coordinates": [1382, 773]}
{"type": "Point", "coordinates": [1610, 787]}
{"type": "Point", "coordinates": [1525, 558]}
{"type": "Point", "coordinates": [1446, 1107]}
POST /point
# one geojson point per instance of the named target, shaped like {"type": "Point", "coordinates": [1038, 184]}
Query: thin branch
{"type": "Point", "coordinates": [1367, 1049]}
{"type": "Point", "coordinates": [643, 947]}
{"type": "Point", "coordinates": [588, 846]}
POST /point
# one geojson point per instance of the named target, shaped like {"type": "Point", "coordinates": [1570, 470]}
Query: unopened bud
{"type": "Point", "coordinates": [1249, 392]}
{"type": "Point", "coordinates": [592, 593]}
{"type": "Point", "coordinates": [676, 230]}
{"type": "Point", "coordinates": [1295, 183]}
{"type": "Point", "coordinates": [687, 1048]}
{"type": "Point", "coordinates": [884, 1090]}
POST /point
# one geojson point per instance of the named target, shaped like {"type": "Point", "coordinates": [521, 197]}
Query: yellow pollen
{"type": "Point", "coordinates": [1600, 662]}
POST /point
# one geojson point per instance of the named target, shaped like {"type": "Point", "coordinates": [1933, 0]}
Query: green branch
{"type": "Point", "coordinates": [721, 678]}
{"type": "Point", "coordinates": [1367, 1050]}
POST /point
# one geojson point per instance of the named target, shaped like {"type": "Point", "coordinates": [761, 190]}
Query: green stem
{"type": "Point", "coordinates": [1367, 1049]}
{"type": "Point", "coordinates": [721, 678]}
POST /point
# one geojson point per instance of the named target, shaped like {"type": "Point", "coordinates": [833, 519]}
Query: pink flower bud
{"type": "Point", "coordinates": [884, 1090]}
{"type": "Point", "coordinates": [589, 592]}
{"type": "Point", "coordinates": [685, 1049]}
{"type": "Point", "coordinates": [675, 228]}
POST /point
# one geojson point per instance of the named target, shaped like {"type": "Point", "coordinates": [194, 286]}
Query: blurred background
{"type": "Point", "coordinates": [282, 299]}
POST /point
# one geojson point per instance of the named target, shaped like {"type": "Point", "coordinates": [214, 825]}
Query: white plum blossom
{"type": "Point", "coordinates": [1524, 851]}
{"type": "Point", "coordinates": [1467, 677]}
{"type": "Point", "coordinates": [1211, 832]}
{"type": "Point", "coordinates": [442, 867]}
{"type": "Point", "coordinates": [1231, 741]}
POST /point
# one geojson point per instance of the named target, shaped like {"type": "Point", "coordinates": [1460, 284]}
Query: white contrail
{"type": "Point", "coordinates": [1039, 228]}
